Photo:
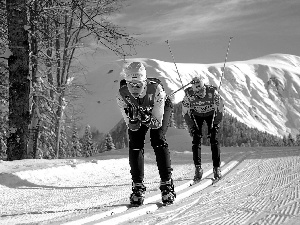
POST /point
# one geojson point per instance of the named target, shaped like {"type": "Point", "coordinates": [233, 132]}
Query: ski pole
{"type": "Point", "coordinates": [174, 62]}
{"type": "Point", "coordinates": [183, 86]}
{"type": "Point", "coordinates": [223, 72]}
{"type": "Point", "coordinates": [174, 92]}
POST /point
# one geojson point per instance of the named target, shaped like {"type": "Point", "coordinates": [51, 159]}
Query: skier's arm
{"type": "Point", "coordinates": [185, 105]}
{"type": "Point", "coordinates": [132, 124]}
{"type": "Point", "coordinates": [122, 105]}
{"type": "Point", "coordinates": [186, 113]}
{"type": "Point", "coordinates": [156, 116]}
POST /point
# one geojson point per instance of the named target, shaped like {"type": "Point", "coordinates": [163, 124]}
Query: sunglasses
{"type": "Point", "coordinates": [137, 85]}
{"type": "Point", "coordinates": [195, 83]}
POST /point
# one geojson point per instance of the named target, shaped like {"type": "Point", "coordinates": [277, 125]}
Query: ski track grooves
{"type": "Point", "coordinates": [264, 191]}
{"type": "Point", "coordinates": [183, 191]}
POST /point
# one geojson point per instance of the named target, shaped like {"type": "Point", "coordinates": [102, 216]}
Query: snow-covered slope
{"type": "Point", "coordinates": [262, 92]}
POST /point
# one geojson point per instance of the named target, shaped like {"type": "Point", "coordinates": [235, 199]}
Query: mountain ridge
{"type": "Point", "coordinates": [261, 92]}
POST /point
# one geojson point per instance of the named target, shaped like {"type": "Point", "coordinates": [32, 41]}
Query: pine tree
{"type": "Point", "coordinates": [285, 140]}
{"type": "Point", "coordinates": [63, 146]}
{"type": "Point", "coordinates": [109, 145]}
{"type": "Point", "coordinates": [123, 143]}
{"type": "Point", "coordinates": [290, 140]}
{"type": "Point", "coordinates": [49, 153]}
{"type": "Point", "coordinates": [297, 142]}
{"type": "Point", "coordinates": [172, 121]}
{"type": "Point", "coordinates": [75, 144]}
{"type": "Point", "coordinates": [87, 143]}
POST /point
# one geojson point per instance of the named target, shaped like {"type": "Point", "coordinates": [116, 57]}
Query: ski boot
{"type": "Point", "coordinates": [138, 194]}
{"type": "Point", "coordinates": [168, 194]}
{"type": "Point", "coordinates": [198, 173]}
{"type": "Point", "coordinates": [217, 173]}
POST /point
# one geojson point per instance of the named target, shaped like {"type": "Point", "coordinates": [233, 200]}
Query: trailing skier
{"type": "Point", "coordinates": [203, 103]}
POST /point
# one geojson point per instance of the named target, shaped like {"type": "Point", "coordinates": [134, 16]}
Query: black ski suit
{"type": "Point", "coordinates": [153, 102]}
{"type": "Point", "coordinates": [196, 109]}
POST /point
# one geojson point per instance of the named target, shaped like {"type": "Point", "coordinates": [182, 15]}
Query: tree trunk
{"type": "Point", "coordinates": [59, 115]}
{"type": "Point", "coordinates": [19, 80]}
{"type": "Point", "coordinates": [34, 125]}
{"type": "Point", "coordinates": [59, 86]}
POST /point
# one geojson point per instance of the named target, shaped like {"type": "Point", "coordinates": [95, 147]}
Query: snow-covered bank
{"type": "Point", "coordinates": [49, 194]}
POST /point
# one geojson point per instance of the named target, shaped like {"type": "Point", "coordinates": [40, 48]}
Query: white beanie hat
{"type": "Point", "coordinates": [198, 80]}
{"type": "Point", "coordinates": [135, 71]}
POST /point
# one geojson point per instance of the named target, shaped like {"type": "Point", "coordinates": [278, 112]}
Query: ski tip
{"type": "Point", "coordinates": [215, 180]}
{"type": "Point", "coordinates": [194, 182]}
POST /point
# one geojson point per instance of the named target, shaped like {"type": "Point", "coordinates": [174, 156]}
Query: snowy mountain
{"type": "Point", "coordinates": [262, 92]}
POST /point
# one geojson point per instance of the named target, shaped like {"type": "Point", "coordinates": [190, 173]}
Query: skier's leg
{"type": "Point", "coordinates": [160, 146]}
{"type": "Point", "coordinates": [167, 115]}
{"type": "Point", "coordinates": [196, 148]}
{"type": "Point", "coordinates": [136, 153]}
{"type": "Point", "coordinates": [161, 150]}
{"type": "Point", "coordinates": [197, 141]}
{"type": "Point", "coordinates": [215, 149]}
{"type": "Point", "coordinates": [136, 162]}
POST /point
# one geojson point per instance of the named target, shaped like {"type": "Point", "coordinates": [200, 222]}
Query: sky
{"type": "Point", "coordinates": [198, 31]}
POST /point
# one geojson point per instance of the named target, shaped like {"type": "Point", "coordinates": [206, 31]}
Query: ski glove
{"type": "Point", "coordinates": [192, 131]}
{"type": "Point", "coordinates": [145, 114]}
{"type": "Point", "coordinates": [132, 113]}
{"type": "Point", "coordinates": [217, 117]}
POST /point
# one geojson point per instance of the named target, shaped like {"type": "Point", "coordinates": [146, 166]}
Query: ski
{"type": "Point", "coordinates": [135, 205]}
{"type": "Point", "coordinates": [214, 181]}
{"type": "Point", "coordinates": [194, 182]}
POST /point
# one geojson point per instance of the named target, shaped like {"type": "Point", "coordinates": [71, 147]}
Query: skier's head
{"type": "Point", "coordinates": [198, 84]}
{"type": "Point", "coordinates": [135, 76]}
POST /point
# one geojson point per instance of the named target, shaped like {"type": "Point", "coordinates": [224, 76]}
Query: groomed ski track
{"type": "Point", "coordinates": [263, 190]}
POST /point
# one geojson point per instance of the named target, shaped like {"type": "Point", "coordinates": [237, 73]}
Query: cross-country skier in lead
{"type": "Point", "coordinates": [143, 104]}
{"type": "Point", "coordinates": [203, 103]}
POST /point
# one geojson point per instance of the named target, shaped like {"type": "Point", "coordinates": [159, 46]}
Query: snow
{"type": "Point", "coordinates": [60, 187]}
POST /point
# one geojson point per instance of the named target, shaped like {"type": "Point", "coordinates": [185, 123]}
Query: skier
{"type": "Point", "coordinates": [203, 103]}
{"type": "Point", "coordinates": [143, 104]}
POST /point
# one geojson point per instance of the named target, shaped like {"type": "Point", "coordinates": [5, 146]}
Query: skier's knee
{"type": "Point", "coordinates": [136, 145]}
{"type": "Point", "coordinates": [197, 140]}
{"type": "Point", "coordinates": [213, 141]}
{"type": "Point", "coordinates": [163, 145]}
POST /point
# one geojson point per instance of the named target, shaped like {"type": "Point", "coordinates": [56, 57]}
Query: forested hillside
{"type": "Point", "coordinates": [231, 133]}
